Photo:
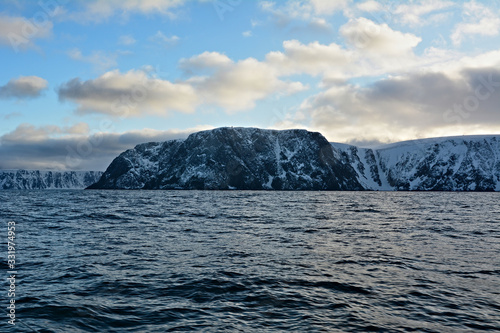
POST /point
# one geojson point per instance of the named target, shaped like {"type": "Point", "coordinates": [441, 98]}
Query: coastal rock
{"type": "Point", "coordinates": [41, 180]}
{"type": "Point", "coordinates": [257, 159]}
{"type": "Point", "coordinates": [233, 158]}
{"type": "Point", "coordinates": [466, 163]}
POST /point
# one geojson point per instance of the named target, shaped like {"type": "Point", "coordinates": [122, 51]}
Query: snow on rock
{"type": "Point", "coordinates": [233, 158]}
{"type": "Point", "coordinates": [35, 179]}
{"type": "Point", "coordinates": [257, 159]}
{"type": "Point", "coordinates": [466, 163]}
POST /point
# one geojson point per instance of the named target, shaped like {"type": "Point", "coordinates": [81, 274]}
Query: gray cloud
{"type": "Point", "coordinates": [29, 147]}
{"type": "Point", "coordinates": [23, 87]}
{"type": "Point", "coordinates": [413, 106]}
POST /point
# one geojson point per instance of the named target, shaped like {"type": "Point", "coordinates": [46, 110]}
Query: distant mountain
{"type": "Point", "coordinates": [233, 158]}
{"type": "Point", "coordinates": [35, 179]}
{"type": "Point", "coordinates": [257, 159]}
{"type": "Point", "coordinates": [466, 163]}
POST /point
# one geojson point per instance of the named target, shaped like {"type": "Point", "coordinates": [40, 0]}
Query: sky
{"type": "Point", "coordinates": [82, 81]}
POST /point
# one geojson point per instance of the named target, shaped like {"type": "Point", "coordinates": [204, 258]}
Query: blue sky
{"type": "Point", "coordinates": [83, 80]}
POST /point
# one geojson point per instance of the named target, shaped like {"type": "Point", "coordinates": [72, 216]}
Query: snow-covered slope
{"type": "Point", "coordinates": [34, 179]}
{"type": "Point", "coordinates": [233, 158]}
{"type": "Point", "coordinates": [466, 163]}
{"type": "Point", "coordinates": [250, 158]}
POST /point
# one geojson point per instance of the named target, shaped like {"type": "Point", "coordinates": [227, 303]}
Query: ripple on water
{"type": "Point", "coordinates": [159, 261]}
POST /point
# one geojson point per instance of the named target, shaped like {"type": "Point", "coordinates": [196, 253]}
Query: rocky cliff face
{"type": "Point", "coordinates": [255, 159]}
{"type": "Point", "coordinates": [468, 163]}
{"type": "Point", "coordinates": [233, 158]}
{"type": "Point", "coordinates": [35, 179]}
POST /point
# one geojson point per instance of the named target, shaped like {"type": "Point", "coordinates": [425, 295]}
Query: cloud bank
{"type": "Point", "coordinates": [74, 148]}
{"type": "Point", "coordinates": [412, 106]}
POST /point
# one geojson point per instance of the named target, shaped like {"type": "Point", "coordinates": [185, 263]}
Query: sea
{"type": "Point", "coordinates": [251, 261]}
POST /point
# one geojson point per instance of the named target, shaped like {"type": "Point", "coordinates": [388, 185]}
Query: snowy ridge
{"type": "Point", "coordinates": [256, 159]}
{"type": "Point", "coordinates": [36, 179]}
{"type": "Point", "coordinates": [466, 163]}
{"type": "Point", "coordinates": [232, 158]}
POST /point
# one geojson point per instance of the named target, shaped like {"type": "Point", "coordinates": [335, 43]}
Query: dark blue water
{"type": "Point", "coordinates": [236, 261]}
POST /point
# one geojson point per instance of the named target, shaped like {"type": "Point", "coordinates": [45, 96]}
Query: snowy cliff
{"type": "Point", "coordinates": [466, 163]}
{"type": "Point", "coordinates": [256, 159]}
{"type": "Point", "coordinates": [34, 179]}
{"type": "Point", "coordinates": [233, 158]}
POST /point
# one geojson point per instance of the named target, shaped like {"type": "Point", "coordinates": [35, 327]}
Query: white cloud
{"type": "Point", "coordinates": [219, 81]}
{"type": "Point", "coordinates": [143, 6]}
{"type": "Point", "coordinates": [480, 20]}
{"type": "Point", "coordinates": [379, 51]}
{"type": "Point", "coordinates": [240, 85]}
{"type": "Point", "coordinates": [205, 61]}
{"type": "Point", "coordinates": [414, 13]}
{"type": "Point", "coordinates": [318, 24]}
{"type": "Point", "coordinates": [313, 58]}
{"type": "Point", "coordinates": [378, 38]}
{"type": "Point", "coordinates": [328, 7]}
{"type": "Point", "coordinates": [163, 40]}
{"type": "Point", "coordinates": [20, 33]}
{"type": "Point", "coordinates": [235, 86]}
{"type": "Point", "coordinates": [383, 52]}
{"type": "Point", "coordinates": [99, 59]}
{"type": "Point", "coordinates": [29, 133]}
{"type": "Point", "coordinates": [126, 40]}
{"type": "Point", "coordinates": [311, 11]}
{"type": "Point", "coordinates": [370, 6]}
{"type": "Point", "coordinates": [23, 87]}
{"type": "Point", "coordinates": [247, 33]}
{"type": "Point", "coordinates": [129, 94]}
{"type": "Point", "coordinates": [99, 10]}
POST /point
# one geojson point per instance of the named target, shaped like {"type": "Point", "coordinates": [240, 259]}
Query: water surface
{"type": "Point", "coordinates": [242, 261]}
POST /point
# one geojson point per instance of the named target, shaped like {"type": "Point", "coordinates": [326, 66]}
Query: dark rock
{"type": "Point", "coordinates": [233, 158]}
